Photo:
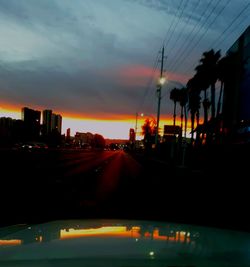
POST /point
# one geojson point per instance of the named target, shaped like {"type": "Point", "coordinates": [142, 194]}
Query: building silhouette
{"type": "Point", "coordinates": [6, 130]}
{"type": "Point", "coordinates": [31, 119]}
{"type": "Point", "coordinates": [51, 122]}
{"type": "Point", "coordinates": [68, 133]}
{"type": "Point", "coordinates": [11, 131]}
{"type": "Point", "coordinates": [236, 111]}
{"type": "Point", "coordinates": [56, 123]}
{"type": "Point", "coordinates": [47, 121]}
{"type": "Point", "coordinates": [29, 128]}
{"type": "Point", "coordinates": [83, 139]}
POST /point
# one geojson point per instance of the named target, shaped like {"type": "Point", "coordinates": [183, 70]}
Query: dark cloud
{"type": "Point", "coordinates": [69, 56]}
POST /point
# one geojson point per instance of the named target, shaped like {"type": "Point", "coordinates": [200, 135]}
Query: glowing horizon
{"type": "Point", "coordinates": [92, 61]}
{"type": "Point", "coordinates": [111, 128]}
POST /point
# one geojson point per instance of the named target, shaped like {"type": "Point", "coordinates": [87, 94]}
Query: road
{"type": "Point", "coordinates": [66, 184]}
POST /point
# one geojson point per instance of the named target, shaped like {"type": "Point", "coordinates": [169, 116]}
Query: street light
{"type": "Point", "coordinates": [161, 81]}
{"type": "Point", "coordinates": [136, 119]}
{"type": "Point", "coordinates": [147, 115]}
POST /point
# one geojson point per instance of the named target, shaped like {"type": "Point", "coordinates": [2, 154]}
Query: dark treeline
{"type": "Point", "coordinates": [200, 94]}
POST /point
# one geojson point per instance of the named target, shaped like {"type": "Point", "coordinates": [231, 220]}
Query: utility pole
{"type": "Point", "coordinates": [161, 82]}
{"type": "Point", "coordinates": [136, 119]}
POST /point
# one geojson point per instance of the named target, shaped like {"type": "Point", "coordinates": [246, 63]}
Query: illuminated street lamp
{"type": "Point", "coordinates": [147, 115]}
{"type": "Point", "coordinates": [136, 119]}
{"type": "Point", "coordinates": [161, 82]}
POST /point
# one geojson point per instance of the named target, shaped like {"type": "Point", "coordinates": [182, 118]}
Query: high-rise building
{"type": "Point", "coordinates": [56, 123]}
{"type": "Point", "coordinates": [51, 122]}
{"type": "Point", "coordinates": [30, 116]}
{"type": "Point", "coordinates": [31, 119]}
{"type": "Point", "coordinates": [47, 121]}
{"type": "Point", "coordinates": [236, 92]}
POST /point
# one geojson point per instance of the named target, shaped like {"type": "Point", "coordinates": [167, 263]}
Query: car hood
{"type": "Point", "coordinates": [121, 243]}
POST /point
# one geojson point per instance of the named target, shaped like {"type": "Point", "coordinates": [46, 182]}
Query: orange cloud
{"type": "Point", "coordinates": [179, 77]}
{"type": "Point", "coordinates": [139, 75]}
{"type": "Point", "coordinates": [136, 75]}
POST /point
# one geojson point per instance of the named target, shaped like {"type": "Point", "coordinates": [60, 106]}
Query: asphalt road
{"type": "Point", "coordinates": [65, 184]}
{"type": "Point", "coordinates": [41, 186]}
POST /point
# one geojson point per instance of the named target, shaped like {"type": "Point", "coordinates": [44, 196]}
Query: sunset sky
{"type": "Point", "coordinates": [92, 61]}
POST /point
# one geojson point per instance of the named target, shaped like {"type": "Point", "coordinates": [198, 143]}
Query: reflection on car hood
{"type": "Point", "coordinates": [121, 243]}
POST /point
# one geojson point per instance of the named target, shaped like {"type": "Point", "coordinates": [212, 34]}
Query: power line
{"type": "Point", "coordinates": [201, 36]}
{"type": "Point", "coordinates": [157, 57]}
{"type": "Point", "coordinates": [177, 22]}
{"type": "Point", "coordinates": [184, 26]}
{"type": "Point", "coordinates": [171, 25]}
{"type": "Point", "coordinates": [231, 24]}
{"type": "Point", "coordinates": [186, 44]}
{"type": "Point", "coordinates": [148, 84]}
{"type": "Point", "coordinates": [211, 23]}
{"type": "Point", "coordinates": [218, 42]}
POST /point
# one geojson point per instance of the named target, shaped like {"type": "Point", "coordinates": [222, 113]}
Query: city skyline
{"type": "Point", "coordinates": [93, 62]}
{"type": "Point", "coordinates": [110, 129]}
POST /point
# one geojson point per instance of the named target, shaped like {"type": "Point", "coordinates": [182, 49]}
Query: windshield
{"type": "Point", "coordinates": [125, 109]}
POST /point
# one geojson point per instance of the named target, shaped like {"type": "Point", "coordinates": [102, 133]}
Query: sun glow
{"type": "Point", "coordinates": [108, 128]}
{"type": "Point", "coordinates": [116, 127]}
{"type": "Point", "coordinates": [14, 114]}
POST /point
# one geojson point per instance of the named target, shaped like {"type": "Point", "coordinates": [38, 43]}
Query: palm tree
{"type": "Point", "coordinates": [209, 68]}
{"type": "Point", "coordinates": [193, 102]}
{"type": "Point", "coordinates": [183, 99]}
{"type": "Point", "coordinates": [203, 85]}
{"type": "Point", "coordinates": [174, 96]}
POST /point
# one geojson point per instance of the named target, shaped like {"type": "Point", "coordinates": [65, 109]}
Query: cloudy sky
{"type": "Point", "coordinates": [95, 58]}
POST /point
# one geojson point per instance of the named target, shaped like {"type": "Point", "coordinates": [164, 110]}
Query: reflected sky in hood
{"type": "Point", "coordinates": [133, 243]}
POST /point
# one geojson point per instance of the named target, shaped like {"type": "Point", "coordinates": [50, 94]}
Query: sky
{"type": "Point", "coordinates": [97, 62]}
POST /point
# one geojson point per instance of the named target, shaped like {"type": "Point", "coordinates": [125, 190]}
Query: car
{"type": "Point", "coordinates": [121, 243]}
